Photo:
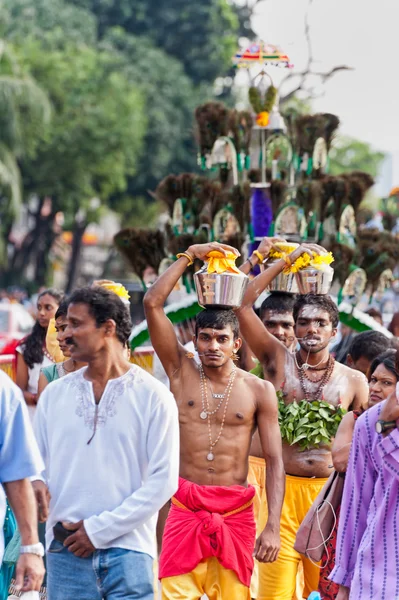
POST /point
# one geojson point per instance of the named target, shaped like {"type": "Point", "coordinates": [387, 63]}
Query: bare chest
{"type": "Point", "coordinates": [233, 411]}
{"type": "Point", "coordinates": [315, 385]}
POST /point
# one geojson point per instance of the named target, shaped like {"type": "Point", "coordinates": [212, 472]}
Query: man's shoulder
{"type": "Point", "coordinates": [10, 394]}
{"type": "Point", "coordinates": [352, 374]}
{"type": "Point", "coordinates": [255, 382]}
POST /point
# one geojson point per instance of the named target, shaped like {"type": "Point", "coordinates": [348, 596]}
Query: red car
{"type": "Point", "coordinates": [15, 324]}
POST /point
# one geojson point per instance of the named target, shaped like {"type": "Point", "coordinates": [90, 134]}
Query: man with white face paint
{"type": "Point", "coordinates": [307, 375]}
{"type": "Point", "coordinates": [276, 316]}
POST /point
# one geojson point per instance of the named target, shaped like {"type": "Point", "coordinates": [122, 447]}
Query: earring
{"type": "Point", "coordinates": [189, 355]}
{"type": "Point", "coordinates": [235, 357]}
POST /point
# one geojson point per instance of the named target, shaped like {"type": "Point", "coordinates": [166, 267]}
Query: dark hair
{"type": "Point", "coordinates": [217, 319]}
{"type": "Point", "coordinates": [368, 344]}
{"type": "Point", "coordinates": [322, 302]}
{"type": "Point", "coordinates": [278, 301]}
{"type": "Point", "coordinates": [394, 323]}
{"type": "Point", "coordinates": [104, 305]}
{"type": "Point", "coordinates": [33, 345]}
{"type": "Point", "coordinates": [62, 310]}
{"type": "Point", "coordinates": [388, 359]}
{"type": "Point", "coordinates": [374, 313]}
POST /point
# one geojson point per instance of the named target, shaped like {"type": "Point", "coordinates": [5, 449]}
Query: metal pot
{"type": "Point", "coordinates": [314, 281]}
{"type": "Point", "coordinates": [220, 290]}
{"type": "Point", "coordinates": [282, 282]}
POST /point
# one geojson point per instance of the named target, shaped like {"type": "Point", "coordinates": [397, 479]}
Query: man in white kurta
{"type": "Point", "coordinates": [110, 465]}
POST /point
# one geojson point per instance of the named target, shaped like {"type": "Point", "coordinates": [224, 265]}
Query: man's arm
{"type": "Point", "coordinates": [30, 568]}
{"type": "Point", "coordinates": [265, 346]}
{"type": "Point", "coordinates": [342, 443]}
{"type": "Point", "coordinates": [361, 391]}
{"type": "Point", "coordinates": [162, 333]}
{"type": "Point", "coordinates": [19, 460]}
{"type": "Point", "coordinates": [268, 543]}
{"type": "Point", "coordinates": [39, 481]}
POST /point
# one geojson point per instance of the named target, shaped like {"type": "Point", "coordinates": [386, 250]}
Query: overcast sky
{"type": "Point", "coordinates": [362, 34]}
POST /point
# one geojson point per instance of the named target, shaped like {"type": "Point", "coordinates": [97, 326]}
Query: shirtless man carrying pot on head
{"type": "Point", "coordinates": [276, 315]}
{"type": "Point", "coordinates": [209, 537]}
{"type": "Point", "coordinates": [309, 374]}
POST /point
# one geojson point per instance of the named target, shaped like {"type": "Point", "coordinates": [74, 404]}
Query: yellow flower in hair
{"type": "Point", "coordinates": [117, 288]}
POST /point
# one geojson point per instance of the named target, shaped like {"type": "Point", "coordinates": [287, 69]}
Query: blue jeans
{"type": "Point", "coordinates": [113, 574]}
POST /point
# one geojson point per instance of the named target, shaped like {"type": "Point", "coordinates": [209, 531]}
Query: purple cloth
{"type": "Point", "coordinates": [367, 558]}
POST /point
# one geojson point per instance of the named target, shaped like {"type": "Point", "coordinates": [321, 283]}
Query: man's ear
{"type": "Point", "coordinates": [237, 344]}
{"type": "Point", "coordinates": [110, 327]}
{"type": "Point", "coordinates": [350, 362]}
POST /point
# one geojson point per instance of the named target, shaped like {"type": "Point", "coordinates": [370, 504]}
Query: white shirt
{"type": "Point", "coordinates": [19, 454]}
{"type": "Point", "coordinates": [118, 481]}
{"type": "Point", "coordinates": [33, 378]}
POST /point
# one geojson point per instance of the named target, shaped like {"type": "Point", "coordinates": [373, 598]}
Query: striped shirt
{"type": "Point", "coordinates": [367, 558]}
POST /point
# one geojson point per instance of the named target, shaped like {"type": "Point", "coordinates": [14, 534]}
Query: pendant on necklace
{"type": "Point", "coordinates": [203, 415]}
{"type": "Point", "coordinates": [218, 396]}
{"type": "Point", "coordinates": [210, 456]}
{"type": "Point", "coordinates": [305, 366]}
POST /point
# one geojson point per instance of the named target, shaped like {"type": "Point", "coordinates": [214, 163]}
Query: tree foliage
{"type": "Point", "coordinates": [201, 35]}
{"type": "Point", "coordinates": [171, 97]}
{"type": "Point", "coordinates": [349, 154]}
{"type": "Point", "coordinates": [54, 22]}
{"type": "Point", "coordinates": [98, 124]}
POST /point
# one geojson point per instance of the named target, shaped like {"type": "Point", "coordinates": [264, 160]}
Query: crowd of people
{"type": "Point", "coordinates": [119, 463]}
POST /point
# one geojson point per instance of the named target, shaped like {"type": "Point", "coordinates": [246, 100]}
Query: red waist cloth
{"type": "Point", "coordinates": [202, 531]}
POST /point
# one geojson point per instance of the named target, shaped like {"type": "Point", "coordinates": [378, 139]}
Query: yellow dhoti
{"type": "Point", "coordinates": [208, 577]}
{"type": "Point", "coordinates": [277, 581]}
{"type": "Point", "coordinates": [257, 478]}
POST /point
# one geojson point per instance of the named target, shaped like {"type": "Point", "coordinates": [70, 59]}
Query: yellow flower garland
{"type": "Point", "coordinates": [317, 261]}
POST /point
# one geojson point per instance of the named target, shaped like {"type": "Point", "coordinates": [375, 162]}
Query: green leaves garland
{"type": "Point", "coordinates": [256, 102]}
{"type": "Point", "coordinates": [308, 424]}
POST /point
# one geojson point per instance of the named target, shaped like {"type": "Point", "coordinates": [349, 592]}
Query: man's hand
{"type": "Point", "coordinates": [267, 244]}
{"type": "Point", "coordinates": [29, 573]}
{"type": "Point", "coordinates": [309, 249]}
{"type": "Point", "coordinates": [201, 251]}
{"type": "Point", "coordinates": [343, 593]}
{"type": "Point", "coordinates": [267, 545]}
{"type": "Point", "coordinates": [42, 498]}
{"type": "Point", "coordinates": [78, 543]}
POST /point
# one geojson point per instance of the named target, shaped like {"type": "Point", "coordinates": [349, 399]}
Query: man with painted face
{"type": "Point", "coordinates": [209, 537]}
{"type": "Point", "coordinates": [276, 315]}
{"type": "Point", "coordinates": [307, 375]}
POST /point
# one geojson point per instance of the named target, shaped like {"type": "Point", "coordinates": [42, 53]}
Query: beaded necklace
{"type": "Point", "coordinates": [318, 393]}
{"type": "Point", "coordinates": [204, 413]}
{"type": "Point", "coordinates": [205, 408]}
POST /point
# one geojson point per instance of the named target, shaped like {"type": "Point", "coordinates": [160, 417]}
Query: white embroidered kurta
{"type": "Point", "coordinates": [118, 481]}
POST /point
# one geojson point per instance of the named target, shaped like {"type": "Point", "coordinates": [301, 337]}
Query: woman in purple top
{"type": "Point", "coordinates": [367, 559]}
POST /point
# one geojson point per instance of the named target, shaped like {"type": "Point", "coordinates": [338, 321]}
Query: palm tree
{"type": "Point", "coordinates": [22, 102]}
